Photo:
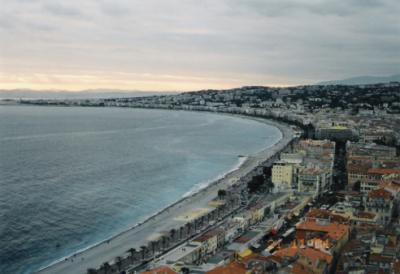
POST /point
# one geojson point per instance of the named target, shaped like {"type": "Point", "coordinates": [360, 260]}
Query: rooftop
{"type": "Point", "coordinates": [232, 268]}
{"type": "Point", "coordinates": [383, 171]}
{"type": "Point", "coordinates": [326, 214]}
{"type": "Point", "coordinates": [334, 230]}
{"type": "Point", "coordinates": [160, 270]}
{"type": "Point", "coordinates": [310, 253]}
{"type": "Point", "coordinates": [380, 193]}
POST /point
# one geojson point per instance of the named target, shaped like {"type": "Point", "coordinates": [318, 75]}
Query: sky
{"type": "Point", "coordinates": [180, 45]}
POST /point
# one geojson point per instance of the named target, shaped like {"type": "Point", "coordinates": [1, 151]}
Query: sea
{"type": "Point", "coordinates": [71, 177]}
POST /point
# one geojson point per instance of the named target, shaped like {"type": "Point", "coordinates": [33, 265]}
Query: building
{"type": "Point", "coordinates": [375, 176]}
{"type": "Point", "coordinates": [334, 131]}
{"type": "Point", "coordinates": [314, 180]}
{"type": "Point", "coordinates": [211, 241]}
{"type": "Point", "coordinates": [305, 260]}
{"type": "Point", "coordinates": [321, 233]}
{"type": "Point", "coordinates": [282, 175]}
{"type": "Point", "coordinates": [368, 149]}
{"type": "Point", "coordinates": [381, 202]}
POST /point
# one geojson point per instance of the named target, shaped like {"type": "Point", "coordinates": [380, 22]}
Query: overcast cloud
{"type": "Point", "coordinates": [194, 44]}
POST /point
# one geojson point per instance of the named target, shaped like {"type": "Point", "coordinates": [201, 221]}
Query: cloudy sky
{"type": "Point", "coordinates": [194, 44]}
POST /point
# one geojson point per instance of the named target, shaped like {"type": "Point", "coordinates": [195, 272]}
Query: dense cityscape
{"type": "Point", "coordinates": [327, 202]}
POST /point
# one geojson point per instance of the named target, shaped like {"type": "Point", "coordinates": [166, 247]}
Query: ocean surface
{"type": "Point", "coordinates": [71, 177]}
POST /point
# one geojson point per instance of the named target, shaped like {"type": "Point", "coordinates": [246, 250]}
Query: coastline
{"type": "Point", "coordinates": [166, 219]}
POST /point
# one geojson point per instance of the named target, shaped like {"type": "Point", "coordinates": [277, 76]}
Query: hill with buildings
{"type": "Point", "coordinates": [363, 80]}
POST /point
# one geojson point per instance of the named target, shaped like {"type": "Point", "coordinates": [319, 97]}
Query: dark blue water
{"type": "Point", "coordinates": [71, 177]}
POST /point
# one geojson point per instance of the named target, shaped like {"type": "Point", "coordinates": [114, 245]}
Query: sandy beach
{"type": "Point", "coordinates": [167, 219]}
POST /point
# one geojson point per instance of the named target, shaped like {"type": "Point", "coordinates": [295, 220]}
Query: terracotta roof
{"type": "Point", "coordinates": [383, 171]}
{"type": "Point", "coordinates": [380, 193]}
{"type": "Point", "coordinates": [286, 252]}
{"type": "Point", "coordinates": [258, 257]}
{"type": "Point", "coordinates": [160, 270]}
{"type": "Point", "coordinates": [232, 268]}
{"type": "Point", "coordinates": [310, 253]}
{"type": "Point", "coordinates": [314, 254]}
{"type": "Point", "coordinates": [364, 215]}
{"type": "Point", "coordinates": [301, 269]}
{"type": "Point", "coordinates": [358, 168]}
{"type": "Point", "coordinates": [391, 185]}
{"type": "Point", "coordinates": [326, 214]}
{"type": "Point", "coordinates": [396, 267]}
{"type": "Point", "coordinates": [334, 230]}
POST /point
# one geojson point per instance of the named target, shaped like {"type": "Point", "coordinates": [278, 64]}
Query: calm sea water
{"type": "Point", "coordinates": [71, 177]}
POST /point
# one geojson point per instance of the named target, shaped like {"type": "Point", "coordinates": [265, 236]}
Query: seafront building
{"type": "Point", "coordinates": [282, 175]}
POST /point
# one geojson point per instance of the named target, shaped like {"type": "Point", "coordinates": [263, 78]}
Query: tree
{"type": "Point", "coordinates": [132, 252]}
{"type": "Point", "coordinates": [172, 234]}
{"type": "Point", "coordinates": [185, 270]}
{"type": "Point", "coordinates": [255, 184]}
{"type": "Point", "coordinates": [143, 249]}
{"type": "Point", "coordinates": [357, 186]}
{"type": "Point", "coordinates": [181, 230]}
{"type": "Point", "coordinates": [91, 271]}
{"type": "Point", "coordinates": [188, 229]}
{"type": "Point", "coordinates": [163, 242]}
{"type": "Point", "coordinates": [221, 194]}
{"type": "Point", "coordinates": [153, 247]}
{"type": "Point", "coordinates": [270, 186]}
{"type": "Point", "coordinates": [118, 262]}
{"type": "Point", "coordinates": [106, 267]}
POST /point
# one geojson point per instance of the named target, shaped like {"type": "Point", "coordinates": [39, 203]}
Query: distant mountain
{"type": "Point", "coordinates": [363, 80]}
{"type": "Point", "coordinates": [84, 94]}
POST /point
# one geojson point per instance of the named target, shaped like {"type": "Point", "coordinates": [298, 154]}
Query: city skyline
{"type": "Point", "coordinates": [187, 45]}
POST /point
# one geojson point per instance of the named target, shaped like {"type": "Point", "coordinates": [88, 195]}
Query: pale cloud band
{"type": "Point", "coordinates": [192, 44]}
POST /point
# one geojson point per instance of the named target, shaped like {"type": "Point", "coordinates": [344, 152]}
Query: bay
{"type": "Point", "coordinates": [71, 177]}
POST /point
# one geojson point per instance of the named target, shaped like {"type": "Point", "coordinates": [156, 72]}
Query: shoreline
{"type": "Point", "coordinates": [139, 234]}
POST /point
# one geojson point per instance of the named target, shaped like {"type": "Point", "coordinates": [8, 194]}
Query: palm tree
{"type": "Point", "coordinates": [118, 262]}
{"type": "Point", "coordinates": [106, 266]}
{"type": "Point", "coordinates": [153, 247]}
{"type": "Point", "coordinates": [91, 271]}
{"type": "Point", "coordinates": [188, 229]}
{"type": "Point", "coordinates": [172, 233]}
{"type": "Point", "coordinates": [185, 270]}
{"type": "Point", "coordinates": [143, 250]}
{"type": "Point", "coordinates": [181, 230]}
{"type": "Point", "coordinates": [132, 252]}
{"type": "Point", "coordinates": [221, 194]}
{"type": "Point", "coordinates": [163, 241]}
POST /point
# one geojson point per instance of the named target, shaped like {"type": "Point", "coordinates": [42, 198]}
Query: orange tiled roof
{"type": "Point", "coordinates": [380, 193]}
{"type": "Point", "coordinates": [287, 252]}
{"type": "Point", "coordinates": [358, 168]}
{"type": "Point", "coordinates": [310, 253]}
{"type": "Point", "coordinates": [232, 268]}
{"type": "Point", "coordinates": [301, 269]}
{"type": "Point", "coordinates": [160, 270]}
{"type": "Point", "coordinates": [334, 230]}
{"type": "Point", "coordinates": [383, 171]}
{"type": "Point", "coordinates": [314, 254]}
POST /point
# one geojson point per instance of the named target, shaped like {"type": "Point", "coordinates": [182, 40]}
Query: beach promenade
{"type": "Point", "coordinates": [167, 219]}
